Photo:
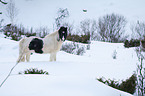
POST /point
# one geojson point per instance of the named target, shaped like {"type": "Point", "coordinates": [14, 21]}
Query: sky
{"type": "Point", "coordinates": [36, 13]}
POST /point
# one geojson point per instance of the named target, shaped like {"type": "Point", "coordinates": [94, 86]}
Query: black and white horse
{"type": "Point", "coordinates": [49, 44]}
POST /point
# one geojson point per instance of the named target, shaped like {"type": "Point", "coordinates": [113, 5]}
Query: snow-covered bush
{"type": "Point", "coordinates": [129, 85]}
{"type": "Point", "coordinates": [80, 51]}
{"type": "Point", "coordinates": [34, 71]}
{"type": "Point", "coordinates": [113, 83]}
{"type": "Point", "coordinates": [16, 32]}
{"type": "Point", "coordinates": [114, 55]}
{"type": "Point", "coordinates": [69, 48]}
{"type": "Point", "coordinates": [88, 47]}
{"type": "Point", "coordinates": [74, 48]}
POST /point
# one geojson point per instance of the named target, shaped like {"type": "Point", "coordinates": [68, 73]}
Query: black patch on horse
{"type": "Point", "coordinates": [37, 45]}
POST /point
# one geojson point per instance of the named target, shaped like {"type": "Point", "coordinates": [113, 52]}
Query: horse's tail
{"type": "Point", "coordinates": [21, 50]}
{"type": "Point", "coordinates": [21, 46]}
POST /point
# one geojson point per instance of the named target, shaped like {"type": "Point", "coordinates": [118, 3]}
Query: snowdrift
{"type": "Point", "coordinates": [70, 75]}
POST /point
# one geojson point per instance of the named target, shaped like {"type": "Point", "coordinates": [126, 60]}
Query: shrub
{"type": "Point", "coordinates": [132, 43]}
{"type": "Point", "coordinates": [114, 55]}
{"type": "Point", "coordinates": [15, 32]}
{"type": "Point", "coordinates": [129, 85]}
{"type": "Point", "coordinates": [88, 47]}
{"type": "Point", "coordinates": [126, 44]}
{"type": "Point", "coordinates": [112, 83]}
{"type": "Point", "coordinates": [34, 71]}
{"type": "Point", "coordinates": [80, 51]}
{"type": "Point", "coordinates": [69, 48]}
{"type": "Point", "coordinates": [73, 48]}
{"type": "Point", "coordinates": [79, 38]}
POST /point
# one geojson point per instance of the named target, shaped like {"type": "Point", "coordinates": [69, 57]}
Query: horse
{"type": "Point", "coordinates": [50, 44]}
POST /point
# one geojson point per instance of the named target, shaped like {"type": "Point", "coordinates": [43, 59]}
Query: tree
{"type": "Point", "coordinates": [62, 15]}
{"type": "Point", "coordinates": [85, 26]}
{"type": "Point", "coordinates": [94, 35]}
{"type": "Point", "coordinates": [138, 30]}
{"type": "Point", "coordinates": [2, 3]}
{"type": "Point", "coordinates": [70, 27]}
{"type": "Point", "coordinates": [1, 24]}
{"type": "Point", "coordinates": [111, 28]}
{"type": "Point", "coordinates": [12, 11]}
{"type": "Point", "coordinates": [42, 31]}
{"type": "Point", "coordinates": [89, 27]}
{"type": "Point", "coordinates": [140, 74]}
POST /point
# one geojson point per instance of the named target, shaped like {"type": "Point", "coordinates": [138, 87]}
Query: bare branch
{"type": "Point", "coordinates": [111, 27]}
{"type": "Point", "coordinates": [12, 11]}
{"type": "Point", "coordinates": [3, 2]}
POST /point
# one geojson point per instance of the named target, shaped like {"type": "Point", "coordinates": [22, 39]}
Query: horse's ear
{"type": "Point", "coordinates": [66, 28]}
{"type": "Point", "coordinates": [63, 28]}
{"type": "Point", "coordinates": [66, 31]}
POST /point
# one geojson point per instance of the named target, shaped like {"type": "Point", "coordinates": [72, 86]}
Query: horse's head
{"type": "Point", "coordinates": [62, 33]}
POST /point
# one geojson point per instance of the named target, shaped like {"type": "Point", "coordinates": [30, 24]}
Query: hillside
{"type": "Point", "coordinates": [70, 75]}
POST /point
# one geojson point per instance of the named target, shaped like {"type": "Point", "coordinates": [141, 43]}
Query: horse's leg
{"type": "Point", "coordinates": [53, 57]}
{"type": "Point", "coordinates": [28, 57]}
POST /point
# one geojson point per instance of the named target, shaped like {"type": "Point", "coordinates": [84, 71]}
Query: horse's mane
{"type": "Point", "coordinates": [52, 34]}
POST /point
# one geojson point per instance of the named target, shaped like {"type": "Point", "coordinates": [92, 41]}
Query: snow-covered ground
{"type": "Point", "coordinates": [70, 75]}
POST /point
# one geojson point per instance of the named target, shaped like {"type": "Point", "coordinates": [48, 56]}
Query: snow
{"type": "Point", "coordinates": [70, 75]}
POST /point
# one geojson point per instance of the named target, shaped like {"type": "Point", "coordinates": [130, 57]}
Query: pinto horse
{"type": "Point", "coordinates": [49, 44]}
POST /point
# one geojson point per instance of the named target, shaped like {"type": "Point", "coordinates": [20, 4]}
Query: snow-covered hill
{"type": "Point", "coordinates": [70, 75]}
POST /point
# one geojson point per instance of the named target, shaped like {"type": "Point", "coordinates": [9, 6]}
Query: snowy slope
{"type": "Point", "coordinates": [70, 75]}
